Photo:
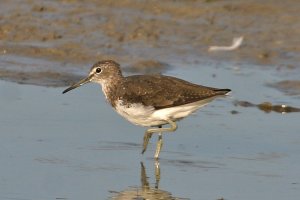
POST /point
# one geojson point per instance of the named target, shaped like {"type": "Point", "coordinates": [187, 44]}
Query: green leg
{"type": "Point", "coordinates": [160, 130]}
{"type": "Point", "coordinates": [147, 137]}
{"type": "Point", "coordinates": [159, 145]}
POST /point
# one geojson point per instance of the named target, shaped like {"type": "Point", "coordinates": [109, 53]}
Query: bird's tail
{"type": "Point", "coordinates": [223, 91]}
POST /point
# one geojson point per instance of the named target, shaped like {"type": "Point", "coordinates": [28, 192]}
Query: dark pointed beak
{"type": "Point", "coordinates": [80, 83]}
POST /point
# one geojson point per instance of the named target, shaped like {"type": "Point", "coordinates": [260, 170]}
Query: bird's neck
{"type": "Point", "coordinates": [109, 87]}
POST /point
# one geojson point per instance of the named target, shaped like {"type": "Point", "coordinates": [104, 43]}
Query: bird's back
{"type": "Point", "coordinates": [163, 91]}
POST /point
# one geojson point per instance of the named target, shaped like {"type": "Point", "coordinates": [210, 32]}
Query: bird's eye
{"type": "Point", "coordinates": [98, 70]}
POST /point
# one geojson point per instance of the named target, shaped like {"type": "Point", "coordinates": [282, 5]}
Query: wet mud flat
{"type": "Point", "coordinates": [73, 34]}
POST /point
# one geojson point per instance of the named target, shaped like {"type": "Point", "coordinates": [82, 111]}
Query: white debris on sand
{"type": "Point", "coordinates": [236, 43]}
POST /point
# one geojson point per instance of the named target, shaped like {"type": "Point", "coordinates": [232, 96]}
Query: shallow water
{"type": "Point", "coordinates": [74, 146]}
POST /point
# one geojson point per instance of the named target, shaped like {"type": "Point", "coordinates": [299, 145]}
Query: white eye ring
{"type": "Point", "coordinates": [98, 70]}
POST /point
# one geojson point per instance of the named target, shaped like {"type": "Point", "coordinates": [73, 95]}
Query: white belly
{"type": "Point", "coordinates": [135, 113]}
{"type": "Point", "coordinates": [148, 116]}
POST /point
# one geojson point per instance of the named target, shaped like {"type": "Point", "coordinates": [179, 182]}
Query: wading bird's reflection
{"type": "Point", "coordinates": [145, 191]}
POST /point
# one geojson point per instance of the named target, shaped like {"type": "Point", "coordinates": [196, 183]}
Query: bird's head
{"type": "Point", "coordinates": [101, 72]}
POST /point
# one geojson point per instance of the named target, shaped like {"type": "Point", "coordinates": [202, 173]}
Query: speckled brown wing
{"type": "Point", "coordinates": [164, 91]}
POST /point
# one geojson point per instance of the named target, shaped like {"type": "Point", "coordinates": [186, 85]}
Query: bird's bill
{"type": "Point", "coordinates": [78, 84]}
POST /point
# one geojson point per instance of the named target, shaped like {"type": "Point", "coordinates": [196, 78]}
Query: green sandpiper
{"type": "Point", "coordinates": [149, 100]}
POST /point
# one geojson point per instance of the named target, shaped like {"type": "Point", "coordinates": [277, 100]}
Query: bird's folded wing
{"type": "Point", "coordinates": [164, 91]}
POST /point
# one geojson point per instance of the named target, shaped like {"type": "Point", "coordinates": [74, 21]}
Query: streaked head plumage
{"type": "Point", "coordinates": [101, 72]}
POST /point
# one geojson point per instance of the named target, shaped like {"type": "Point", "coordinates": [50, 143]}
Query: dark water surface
{"type": "Point", "coordinates": [74, 146]}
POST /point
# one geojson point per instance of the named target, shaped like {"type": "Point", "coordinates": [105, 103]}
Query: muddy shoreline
{"type": "Point", "coordinates": [81, 32]}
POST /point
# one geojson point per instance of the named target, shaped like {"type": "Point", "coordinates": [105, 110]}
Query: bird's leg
{"type": "Point", "coordinates": [149, 132]}
{"type": "Point", "coordinates": [147, 137]}
{"type": "Point", "coordinates": [159, 144]}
